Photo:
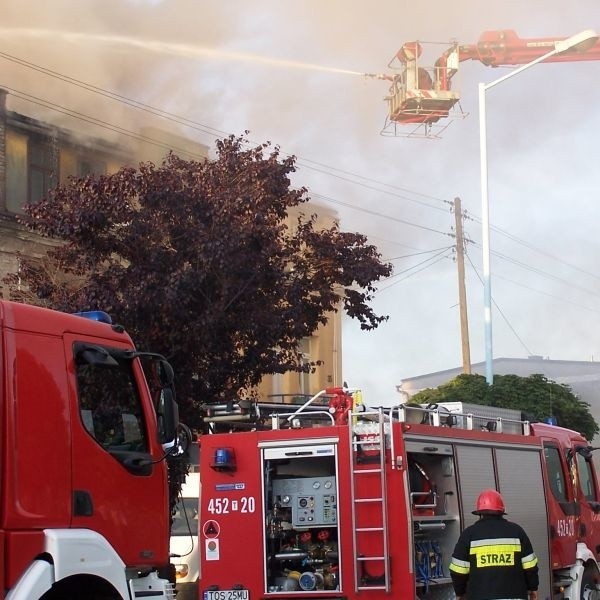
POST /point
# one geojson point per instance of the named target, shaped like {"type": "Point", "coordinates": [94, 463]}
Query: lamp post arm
{"type": "Point", "coordinates": [520, 69]}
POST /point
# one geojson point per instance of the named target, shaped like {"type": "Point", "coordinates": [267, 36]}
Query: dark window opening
{"type": "Point", "coordinates": [41, 170]}
{"type": "Point", "coordinates": [93, 167]}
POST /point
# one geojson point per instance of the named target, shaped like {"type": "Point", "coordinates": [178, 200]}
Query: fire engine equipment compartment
{"type": "Point", "coordinates": [301, 518]}
{"type": "Point", "coordinates": [373, 508]}
{"type": "Point", "coordinates": [434, 507]}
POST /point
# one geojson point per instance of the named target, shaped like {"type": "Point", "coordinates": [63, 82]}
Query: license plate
{"type": "Point", "coordinates": [226, 595]}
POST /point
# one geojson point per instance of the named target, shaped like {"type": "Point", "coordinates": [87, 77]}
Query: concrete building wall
{"type": "Point", "coordinates": [156, 153]}
{"type": "Point", "coordinates": [67, 154]}
{"type": "Point", "coordinates": [325, 345]}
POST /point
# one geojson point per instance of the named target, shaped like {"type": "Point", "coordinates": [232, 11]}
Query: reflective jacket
{"type": "Point", "coordinates": [493, 559]}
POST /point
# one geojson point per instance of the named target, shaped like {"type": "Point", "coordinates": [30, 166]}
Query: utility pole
{"type": "Point", "coordinates": [462, 294]}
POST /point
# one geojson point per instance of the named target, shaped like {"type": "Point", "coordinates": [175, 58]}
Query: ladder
{"type": "Point", "coordinates": [369, 499]}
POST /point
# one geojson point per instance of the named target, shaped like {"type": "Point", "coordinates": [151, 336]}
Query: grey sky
{"type": "Point", "coordinates": [223, 64]}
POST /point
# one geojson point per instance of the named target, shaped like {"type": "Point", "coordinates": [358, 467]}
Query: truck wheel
{"type": "Point", "coordinates": [76, 588]}
{"type": "Point", "coordinates": [90, 595]}
{"type": "Point", "coordinates": [589, 587]}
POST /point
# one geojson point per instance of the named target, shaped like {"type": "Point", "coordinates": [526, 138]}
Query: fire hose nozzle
{"type": "Point", "coordinates": [382, 76]}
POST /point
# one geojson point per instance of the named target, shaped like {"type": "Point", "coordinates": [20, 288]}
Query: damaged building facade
{"type": "Point", "coordinates": [35, 156]}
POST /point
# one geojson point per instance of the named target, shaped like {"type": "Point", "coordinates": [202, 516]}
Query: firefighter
{"type": "Point", "coordinates": [493, 558]}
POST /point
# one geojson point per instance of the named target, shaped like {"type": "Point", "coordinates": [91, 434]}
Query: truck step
{"type": "Point", "coordinates": [371, 587]}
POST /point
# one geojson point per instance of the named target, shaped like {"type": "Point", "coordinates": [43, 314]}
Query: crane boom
{"type": "Point", "coordinates": [421, 95]}
{"type": "Point", "coordinates": [497, 48]}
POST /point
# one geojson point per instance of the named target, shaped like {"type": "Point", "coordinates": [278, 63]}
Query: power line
{"type": "Point", "coordinates": [396, 187]}
{"type": "Point", "coordinates": [370, 187]}
{"type": "Point", "coordinates": [219, 133]}
{"type": "Point", "coordinates": [500, 311]}
{"type": "Point", "coordinates": [115, 128]}
{"type": "Point", "coordinates": [411, 274]}
{"type": "Point", "coordinates": [325, 169]}
{"type": "Point", "coordinates": [118, 129]}
{"type": "Point", "coordinates": [415, 254]}
{"type": "Point", "coordinates": [95, 121]}
{"type": "Point", "coordinates": [540, 272]}
{"type": "Point", "coordinates": [378, 214]}
{"type": "Point", "coordinates": [526, 244]}
{"type": "Point", "coordinates": [206, 129]}
{"type": "Point", "coordinates": [394, 243]}
{"type": "Point", "coordinates": [554, 297]}
{"type": "Point", "coordinates": [115, 96]}
{"type": "Point", "coordinates": [441, 251]}
{"type": "Point", "coordinates": [431, 262]}
{"type": "Point", "coordinates": [560, 299]}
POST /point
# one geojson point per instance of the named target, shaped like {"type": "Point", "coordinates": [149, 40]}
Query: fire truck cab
{"type": "Point", "coordinates": [83, 483]}
{"type": "Point", "coordinates": [374, 506]}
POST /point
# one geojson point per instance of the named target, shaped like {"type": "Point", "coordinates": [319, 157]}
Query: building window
{"type": "Point", "coordinates": [89, 166]}
{"type": "Point", "coordinates": [41, 169]}
{"type": "Point", "coordinates": [304, 378]}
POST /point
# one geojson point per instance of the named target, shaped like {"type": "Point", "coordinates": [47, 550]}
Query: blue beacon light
{"type": "Point", "coordinates": [224, 460]}
{"type": "Point", "coordinates": [95, 315]}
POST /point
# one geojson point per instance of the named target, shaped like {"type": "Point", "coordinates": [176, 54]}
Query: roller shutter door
{"type": "Point", "coordinates": [475, 473]}
{"type": "Point", "coordinates": [522, 487]}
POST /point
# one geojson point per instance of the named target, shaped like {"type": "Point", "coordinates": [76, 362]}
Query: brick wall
{"type": "Point", "coordinates": [15, 239]}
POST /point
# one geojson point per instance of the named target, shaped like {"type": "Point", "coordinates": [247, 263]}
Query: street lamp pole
{"type": "Point", "coordinates": [578, 41]}
{"type": "Point", "coordinates": [485, 238]}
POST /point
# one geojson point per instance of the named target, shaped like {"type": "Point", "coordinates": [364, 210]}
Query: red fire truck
{"type": "Point", "coordinates": [372, 507]}
{"type": "Point", "coordinates": [84, 498]}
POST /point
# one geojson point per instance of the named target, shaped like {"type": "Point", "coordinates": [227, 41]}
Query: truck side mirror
{"type": "Point", "coordinates": [167, 414]}
{"type": "Point", "coordinates": [183, 441]}
{"type": "Point", "coordinates": [585, 451]}
{"type": "Point", "coordinates": [164, 372]}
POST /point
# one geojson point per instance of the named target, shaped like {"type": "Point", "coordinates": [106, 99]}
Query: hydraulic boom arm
{"type": "Point", "coordinates": [496, 48]}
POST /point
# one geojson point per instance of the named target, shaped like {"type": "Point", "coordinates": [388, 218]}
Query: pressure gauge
{"type": "Point", "coordinates": [328, 485]}
{"type": "Point", "coordinates": [316, 485]}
